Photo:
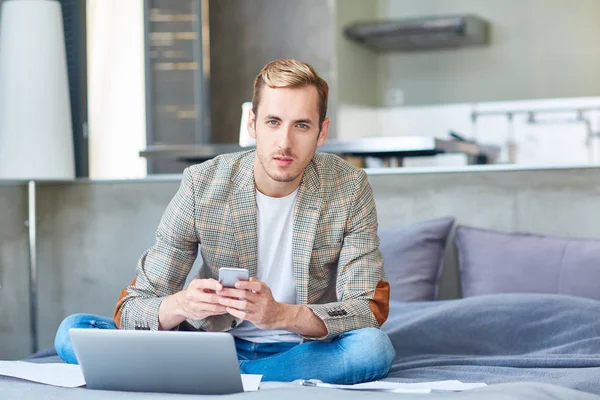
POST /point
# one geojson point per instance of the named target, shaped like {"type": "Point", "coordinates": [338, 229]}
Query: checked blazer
{"type": "Point", "coordinates": [337, 264]}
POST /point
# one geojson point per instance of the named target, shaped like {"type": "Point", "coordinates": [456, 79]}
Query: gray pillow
{"type": "Point", "coordinates": [413, 256]}
{"type": "Point", "coordinates": [498, 262]}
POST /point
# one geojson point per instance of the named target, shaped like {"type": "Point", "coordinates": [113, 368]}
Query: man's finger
{"type": "Point", "coordinates": [200, 311]}
{"type": "Point", "coordinates": [210, 307]}
{"type": "Point", "coordinates": [208, 298]}
{"type": "Point", "coordinates": [211, 284]}
{"type": "Point", "coordinates": [236, 313]}
{"type": "Point", "coordinates": [234, 293]}
{"type": "Point", "coordinates": [197, 297]}
{"type": "Point", "coordinates": [253, 285]}
{"type": "Point", "coordinates": [231, 303]}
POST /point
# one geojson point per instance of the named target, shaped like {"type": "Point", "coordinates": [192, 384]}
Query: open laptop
{"type": "Point", "coordinates": [158, 361]}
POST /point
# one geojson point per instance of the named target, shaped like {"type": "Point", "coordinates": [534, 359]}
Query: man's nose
{"type": "Point", "coordinates": [285, 139]}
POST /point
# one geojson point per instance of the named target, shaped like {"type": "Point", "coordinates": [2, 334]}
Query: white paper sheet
{"type": "Point", "coordinates": [251, 382]}
{"type": "Point", "coordinates": [398, 387]}
{"type": "Point", "coordinates": [70, 376]}
{"type": "Point", "coordinates": [63, 375]}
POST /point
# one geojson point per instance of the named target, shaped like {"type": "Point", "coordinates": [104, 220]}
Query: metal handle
{"type": "Point", "coordinates": [33, 271]}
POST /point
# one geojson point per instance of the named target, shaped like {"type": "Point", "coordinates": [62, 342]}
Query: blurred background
{"type": "Point", "coordinates": [150, 78]}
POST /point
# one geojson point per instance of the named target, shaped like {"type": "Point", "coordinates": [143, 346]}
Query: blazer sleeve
{"type": "Point", "coordinates": [162, 269]}
{"type": "Point", "coordinates": [362, 289]}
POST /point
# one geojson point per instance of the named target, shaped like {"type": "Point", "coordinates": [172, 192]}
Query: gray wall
{"type": "Point", "coordinates": [91, 234]}
{"type": "Point", "coordinates": [539, 49]}
{"type": "Point", "coordinates": [356, 65]}
{"type": "Point", "coordinates": [560, 202]}
{"type": "Point", "coordinates": [14, 272]}
{"type": "Point", "coordinates": [245, 35]}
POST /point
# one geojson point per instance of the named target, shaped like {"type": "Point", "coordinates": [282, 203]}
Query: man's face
{"type": "Point", "coordinates": [286, 129]}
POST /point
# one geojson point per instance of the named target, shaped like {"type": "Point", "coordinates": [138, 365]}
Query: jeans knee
{"type": "Point", "coordinates": [381, 347]}
{"type": "Point", "coordinates": [72, 321]}
{"type": "Point", "coordinates": [370, 350]}
{"type": "Point", "coordinates": [62, 340]}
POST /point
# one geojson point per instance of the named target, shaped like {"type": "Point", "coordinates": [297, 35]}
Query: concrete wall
{"type": "Point", "coordinates": [245, 35]}
{"type": "Point", "coordinates": [560, 202]}
{"type": "Point", "coordinates": [14, 272]}
{"type": "Point", "coordinates": [356, 65]}
{"type": "Point", "coordinates": [539, 49]}
{"type": "Point", "coordinates": [91, 234]}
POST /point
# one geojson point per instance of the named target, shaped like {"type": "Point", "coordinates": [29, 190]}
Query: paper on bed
{"type": "Point", "coordinates": [70, 376]}
{"type": "Point", "coordinates": [251, 382]}
{"type": "Point", "coordinates": [399, 387]}
{"type": "Point", "coordinates": [63, 375]}
{"type": "Point", "coordinates": [452, 386]}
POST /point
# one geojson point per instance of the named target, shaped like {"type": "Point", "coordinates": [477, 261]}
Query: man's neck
{"type": "Point", "coordinates": [277, 189]}
{"type": "Point", "coordinates": [271, 188]}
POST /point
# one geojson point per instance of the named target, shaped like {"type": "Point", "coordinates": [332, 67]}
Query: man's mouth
{"type": "Point", "coordinates": [283, 161]}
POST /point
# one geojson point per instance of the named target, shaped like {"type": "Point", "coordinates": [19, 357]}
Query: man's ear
{"type": "Point", "coordinates": [251, 124]}
{"type": "Point", "coordinates": [324, 131]}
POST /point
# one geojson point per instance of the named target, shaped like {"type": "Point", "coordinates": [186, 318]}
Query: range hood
{"type": "Point", "coordinates": [426, 33]}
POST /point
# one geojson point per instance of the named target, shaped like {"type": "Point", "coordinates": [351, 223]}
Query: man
{"type": "Point", "coordinates": [303, 224]}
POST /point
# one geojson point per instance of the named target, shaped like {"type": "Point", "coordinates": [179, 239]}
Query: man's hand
{"type": "Point", "coordinates": [253, 301]}
{"type": "Point", "coordinates": [198, 301]}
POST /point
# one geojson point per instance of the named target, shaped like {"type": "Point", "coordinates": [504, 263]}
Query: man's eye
{"type": "Point", "coordinates": [302, 126]}
{"type": "Point", "coordinates": [272, 122]}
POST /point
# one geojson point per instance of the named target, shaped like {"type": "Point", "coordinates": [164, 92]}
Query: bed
{"type": "Point", "coordinates": [534, 346]}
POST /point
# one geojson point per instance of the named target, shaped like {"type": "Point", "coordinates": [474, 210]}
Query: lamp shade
{"type": "Point", "coordinates": [36, 139]}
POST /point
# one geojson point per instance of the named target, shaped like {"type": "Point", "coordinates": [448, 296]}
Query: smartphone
{"type": "Point", "coordinates": [229, 276]}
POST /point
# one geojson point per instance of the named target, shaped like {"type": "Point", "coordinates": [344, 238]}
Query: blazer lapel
{"type": "Point", "coordinates": [242, 205]}
{"type": "Point", "coordinates": [306, 216]}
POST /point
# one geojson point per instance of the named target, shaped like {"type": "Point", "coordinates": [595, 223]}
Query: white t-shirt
{"type": "Point", "coordinates": [275, 267]}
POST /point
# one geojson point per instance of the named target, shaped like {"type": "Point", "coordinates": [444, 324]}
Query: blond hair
{"type": "Point", "coordinates": [288, 73]}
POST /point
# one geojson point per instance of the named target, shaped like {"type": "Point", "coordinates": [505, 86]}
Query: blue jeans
{"type": "Point", "coordinates": [357, 356]}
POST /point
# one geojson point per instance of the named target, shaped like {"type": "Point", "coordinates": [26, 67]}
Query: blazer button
{"type": "Point", "coordinates": [233, 323]}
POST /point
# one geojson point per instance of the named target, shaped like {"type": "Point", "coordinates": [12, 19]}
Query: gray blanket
{"type": "Point", "coordinates": [497, 339]}
{"type": "Point", "coordinates": [524, 346]}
